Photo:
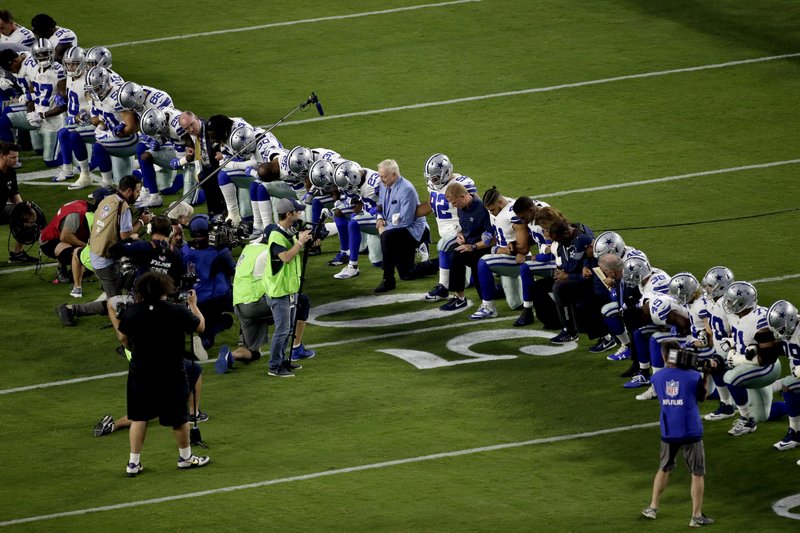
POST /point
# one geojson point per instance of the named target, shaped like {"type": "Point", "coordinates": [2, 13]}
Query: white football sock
{"type": "Point", "coordinates": [444, 277]}
{"type": "Point", "coordinates": [231, 201]}
{"type": "Point", "coordinates": [265, 208]}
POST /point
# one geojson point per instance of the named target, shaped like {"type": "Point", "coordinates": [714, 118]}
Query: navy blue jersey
{"type": "Point", "coordinates": [678, 392]}
{"type": "Point", "coordinates": [474, 221]}
{"type": "Point", "coordinates": [573, 254]}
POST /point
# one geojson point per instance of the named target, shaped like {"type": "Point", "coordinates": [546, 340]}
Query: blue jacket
{"type": "Point", "coordinates": [679, 392]}
{"type": "Point", "coordinates": [213, 268]}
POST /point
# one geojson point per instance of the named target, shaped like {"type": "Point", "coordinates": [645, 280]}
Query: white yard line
{"type": "Point", "coordinates": [327, 473]}
{"type": "Point", "coordinates": [669, 178]}
{"type": "Point", "coordinates": [543, 89]}
{"type": "Point", "coordinates": [289, 23]}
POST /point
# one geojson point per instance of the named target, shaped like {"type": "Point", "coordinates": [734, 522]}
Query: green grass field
{"type": "Point", "coordinates": [581, 115]}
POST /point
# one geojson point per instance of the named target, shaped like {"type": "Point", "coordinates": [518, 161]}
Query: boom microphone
{"type": "Point", "coordinates": [314, 99]}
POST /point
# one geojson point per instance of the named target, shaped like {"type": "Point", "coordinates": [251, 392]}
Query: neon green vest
{"type": "Point", "coordinates": [287, 279]}
{"type": "Point", "coordinates": [246, 289]}
{"type": "Point", "coordinates": [84, 257]}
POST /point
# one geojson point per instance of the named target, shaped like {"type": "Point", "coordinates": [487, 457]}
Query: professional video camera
{"type": "Point", "coordinates": [222, 234]}
{"type": "Point", "coordinates": [188, 280]}
{"type": "Point", "coordinates": [688, 359]}
{"type": "Point", "coordinates": [318, 231]}
{"type": "Point", "coordinates": [26, 222]}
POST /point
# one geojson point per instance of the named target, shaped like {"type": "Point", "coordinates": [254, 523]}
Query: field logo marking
{"type": "Point", "coordinates": [462, 345]}
{"type": "Point", "coordinates": [782, 507]}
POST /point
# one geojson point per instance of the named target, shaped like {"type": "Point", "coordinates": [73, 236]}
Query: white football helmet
{"type": "Point", "coordinates": [43, 52]}
{"type": "Point", "coordinates": [321, 175]}
{"type": "Point", "coordinates": [98, 82]}
{"type": "Point", "coordinates": [438, 170]}
{"type": "Point", "coordinates": [716, 280]}
{"type": "Point", "coordinates": [131, 97]}
{"type": "Point", "coordinates": [739, 297]}
{"type": "Point", "coordinates": [782, 319]}
{"type": "Point", "coordinates": [635, 270]}
{"type": "Point", "coordinates": [241, 141]}
{"type": "Point", "coordinates": [684, 288]}
{"type": "Point", "coordinates": [608, 242]}
{"type": "Point", "coordinates": [153, 123]}
{"type": "Point", "coordinates": [300, 160]}
{"type": "Point", "coordinates": [74, 61]}
{"type": "Point", "coordinates": [346, 176]}
{"type": "Point", "coordinates": [98, 56]}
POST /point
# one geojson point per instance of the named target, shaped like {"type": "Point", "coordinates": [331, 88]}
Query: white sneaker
{"type": "Point", "coordinates": [84, 180]}
{"type": "Point", "coordinates": [743, 426]}
{"type": "Point", "coordinates": [484, 311]}
{"type": "Point", "coordinates": [151, 200]}
{"type": "Point", "coordinates": [649, 394]}
{"type": "Point", "coordinates": [199, 351]}
{"type": "Point", "coordinates": [62, 176]}
{"type": "Point", "coordinates": [144, 196]}
{"type": "Point", "coordinates": [106, 182]}
{"type": "Point", "coordinates": [349, 271]}
{"type": "Point", "coordinates": [101, 298]}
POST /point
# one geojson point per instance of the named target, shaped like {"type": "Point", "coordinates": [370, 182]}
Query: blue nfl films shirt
{"type": "Point", "coordinates": [679, 392]}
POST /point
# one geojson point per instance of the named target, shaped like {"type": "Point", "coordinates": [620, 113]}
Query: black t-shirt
{"type": "Point", "coordinates": [156, 334]}
{"type": "Point", "coordinates": [8, 186]}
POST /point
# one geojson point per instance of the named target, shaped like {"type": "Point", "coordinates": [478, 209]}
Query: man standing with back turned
{"type": "Point", "coordinates": [679, 390]}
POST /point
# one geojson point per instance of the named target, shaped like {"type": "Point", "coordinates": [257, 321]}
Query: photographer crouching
{"type": "Point", "coordinates": [213, 267]}
{"type": "Point", "coordinates": [680, 387]}
{"type": "Point", "coordinates": [153, 330]}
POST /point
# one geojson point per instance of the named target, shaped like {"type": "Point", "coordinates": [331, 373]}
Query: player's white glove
{"type": "Point", "coordinates": [6, 84]}
{"type": "Point", "coordinates": [796, 371]}
{"type": "Point", "coordinates": [726, 345]}
{"type": "Point", "coordinates": [702, 337]}
{"type": "Point", "coordinates": [101, 133]}
{"type": "Point", "coordinates": [34, 118]}
{"type": "Point", "coordinates": [736, 359]}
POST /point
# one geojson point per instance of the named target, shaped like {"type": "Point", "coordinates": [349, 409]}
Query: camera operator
{"type": "Point", "coordinates": [281, 278]}
{"type": "Point", "coordinates": [680, 387]}
{"type": "Point", "coordinates": [9, 195]}
{"type": "Point", "coordinates": [213, 268]}
{"type": "Point", "coordinates": [154, 330]}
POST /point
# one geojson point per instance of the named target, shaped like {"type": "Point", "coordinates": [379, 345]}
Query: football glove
{"type": "Point", "coordinates": [118, 129]}
{"type": "Point", "coordinates": [735, 359]}
{"type": "Point", "coordinates": [796, 371]}
{"type": "Point", "coordinates": [726, 345]}
{"type": "Point", "coordinates": [34, 118]}
{"type": "Point", "coordinates": [6, 84]}
{"type": "Point", "coordinates": [487, 237]}
{"type": "Point", "coordinates": [153, 145]}
{"type": "Point", "coordinates": [59, 101]}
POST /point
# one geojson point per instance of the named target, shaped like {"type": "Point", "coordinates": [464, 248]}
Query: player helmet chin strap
{"type": "Point", "coordinates": [313, 99]}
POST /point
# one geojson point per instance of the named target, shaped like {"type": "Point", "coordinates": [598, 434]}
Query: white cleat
{"type": "Point", "coordinates": [150, 200]}
{"type": "Point", "coordinates": [649, 394]}
{"type": "Point", "coordinates": [349, 271]}
{"type": "Point", "coordinates": [83, 181]}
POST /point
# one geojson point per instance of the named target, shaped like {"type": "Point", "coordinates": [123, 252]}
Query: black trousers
{"type": "Point", "coordinates": [398, 247]}
{"type": "Point", "coordinates": [579, 307]}
{"type": "Point", "coordinates": [458, 268]}
{"type": "Point", "coordinates": [214, 199]}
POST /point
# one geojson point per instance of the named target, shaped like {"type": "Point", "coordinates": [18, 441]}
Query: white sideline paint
{"type": "Point", "coordinates": [334, 472]}
{"type": "Point", "coordinates": [543, 89]}
{"type": "Point", "coordinates": [288, 23]}
{"type": "Point", "coordinates": [670, 178]}
{"type": "Point", "coordinates": [778, 278]}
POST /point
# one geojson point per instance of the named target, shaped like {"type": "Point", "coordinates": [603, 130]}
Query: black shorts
{"type": "Point", "coordinates": [151, 396]}
{"type": "Point", "coordinates": [48, 248]}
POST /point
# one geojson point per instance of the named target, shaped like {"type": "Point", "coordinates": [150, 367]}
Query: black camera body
{"type": "Point", "coordinates": [224, 235]}
{"type": "Point", "coordinates": [188, 280]}
{"type": "Point", "coordinates": [688, 359]}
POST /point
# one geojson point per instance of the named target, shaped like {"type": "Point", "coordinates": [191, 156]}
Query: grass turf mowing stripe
{"type": "Point", "coordinates": [334, 472]}
{"type": "Point", "coordinates": [289, 23]}
{"type": "Point", "coordinates": [543, 89]}
{"type": "Point", "coordinates": [212, 360]}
